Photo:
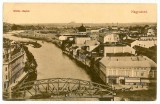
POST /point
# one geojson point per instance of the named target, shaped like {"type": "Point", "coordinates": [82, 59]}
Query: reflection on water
{"type": "Point", "coordinates": [53, 64]}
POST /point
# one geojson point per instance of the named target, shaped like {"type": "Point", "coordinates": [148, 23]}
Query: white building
{"type": "Point", "coordinates": [13, 66]}
{"type": "Point", "coordinates": [81, 40]}
{"type": "Point", "coordinates": [126, 70]}
{"type": "Point", "coordinates": [91, 44]}
{"type": "Point", "coordinates": [145, 42]}
{"type": "Point", "coordinates": [109, 37]}
{"type": "Point", "coordinates": [118, 49]}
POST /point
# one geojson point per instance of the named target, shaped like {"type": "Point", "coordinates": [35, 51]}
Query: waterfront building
{"type": "Point", "coordinates": [129, 70]}
{"type": "Point", "coordinates": [81, 40]}
{"type": "Point", "coordinates": [13, 64]}
{"type": "Point", "coordinates": [83, 52]}
{"type": "Point", "coordinates": [91, 44]}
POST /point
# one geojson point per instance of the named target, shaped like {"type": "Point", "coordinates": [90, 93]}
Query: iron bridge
{"type": "Point", "coordinates": [61, 88]}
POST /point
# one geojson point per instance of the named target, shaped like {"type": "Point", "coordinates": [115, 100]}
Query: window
{"type": "Point", "coordinates": [6, 77]}
{"type": "Point", "coordinates": [128, 73]}
{"type": "Point", "coordinates": [114, 72]}
{"type": "Point", "coordinates": [142, 73]}
{"type": "Point", "coordinates": [137, 74]}
{"type": "Point", "coordinates": [121, 72]}
{"type": "Point", "coordinates": [6, 68]}
{"type": "Point", "coordinates": [4, 85]}
{"type": "Point", "coordinates": [110, 72]}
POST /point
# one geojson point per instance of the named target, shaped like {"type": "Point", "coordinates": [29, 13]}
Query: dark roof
{"type": "Point", "coordinates": [128, 41]}
{"type": "Point", "coordinates": [82, 29]}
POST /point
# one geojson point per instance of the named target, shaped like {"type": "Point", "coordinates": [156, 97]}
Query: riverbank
{"type": "Point", "coordinates": [132, 95]}
{"type": "Point", "coordinates": [30, 65]}
{"type": "Point", "coordinates": [33, 44]}
{"type": "Point", "coordinates": [52, 40]}
{"type": "Point", "coordinates": [89, 71]}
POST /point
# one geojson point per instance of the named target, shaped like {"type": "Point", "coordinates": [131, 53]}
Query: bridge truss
{"type": "Point", "coordinates": [61, 88]}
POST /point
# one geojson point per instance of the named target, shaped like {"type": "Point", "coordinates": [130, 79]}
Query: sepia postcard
{"type": "Point", "coordinates": [79, 52]}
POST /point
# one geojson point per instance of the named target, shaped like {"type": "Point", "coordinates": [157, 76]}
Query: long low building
{"type": "Point", "coordinates": [145, 42]}
{"type": "Point", "coordinates": [118, 49]}
{"type": "Point", "coordinates": [126, 70]}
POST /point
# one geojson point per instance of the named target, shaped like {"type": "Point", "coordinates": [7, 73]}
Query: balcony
{"type": "Point", "coordinates": [16, 56]}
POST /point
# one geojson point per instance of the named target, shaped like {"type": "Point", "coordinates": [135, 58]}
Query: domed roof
{"type": "Point", "coordinates": [82, 29]}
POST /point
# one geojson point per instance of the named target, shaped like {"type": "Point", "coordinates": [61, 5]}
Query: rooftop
{"type": "Point", "coordinates": [91, 42]}
{"type": "Point", "coordinates": [127, 61]}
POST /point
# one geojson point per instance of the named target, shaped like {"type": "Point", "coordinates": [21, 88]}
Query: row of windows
{"type": "Point", "coordinates": [143, 68]}
{"type": "Point", "coordinates": [122, 72]}
{"type": "Point", "coordinates": [139, 74]}
{"type": "Point", "coordinates": [6, 77]}
{"type": "Point", "coordinates": [126, 73]}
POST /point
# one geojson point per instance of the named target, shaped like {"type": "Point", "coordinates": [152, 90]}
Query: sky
{"type": "Point", "coordinates": [79, 13]}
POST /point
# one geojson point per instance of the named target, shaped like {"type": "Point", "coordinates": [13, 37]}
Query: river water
{"type": "Point", "coordinates": [52, 63]}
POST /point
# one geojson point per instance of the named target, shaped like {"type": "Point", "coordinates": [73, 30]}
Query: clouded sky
{"type": "Point", "coordinates": [80, 13]}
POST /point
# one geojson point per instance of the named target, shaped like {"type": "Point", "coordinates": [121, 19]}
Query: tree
{"type": "Point", "coordinates": [14, 27]}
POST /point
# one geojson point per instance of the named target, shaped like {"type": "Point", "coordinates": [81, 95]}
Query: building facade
{"type": "Point", "coordinates": [132, 70]}
{"type": "Point", "coordinates": [145, 42]}
{"type": "Point", "coordinates": [109, 37]}
{"type": "Point", "coordinates": [13, 65]}
{"type": "Point", "coordinates": [81, 40]}
{"type": "Point", "coordinates": [118, 49]}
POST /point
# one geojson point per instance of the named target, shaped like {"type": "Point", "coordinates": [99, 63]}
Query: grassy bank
{"type": "Point", "coordinates": [141, 95]}
{"type": "Point", "coordinates": [36, 38]}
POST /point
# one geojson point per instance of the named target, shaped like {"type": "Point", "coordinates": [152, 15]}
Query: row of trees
{"type": "Point", "coordinates": [10, 27]}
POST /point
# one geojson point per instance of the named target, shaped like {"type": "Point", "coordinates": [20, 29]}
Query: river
{"type": "Point", "coordinates": [52, 63]}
